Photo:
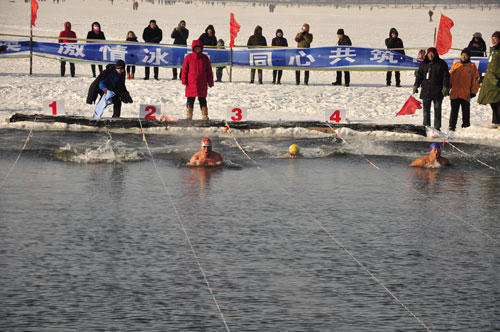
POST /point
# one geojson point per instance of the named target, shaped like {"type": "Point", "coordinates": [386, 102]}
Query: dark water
{"type": "Point", "coordinates": [91, 246]}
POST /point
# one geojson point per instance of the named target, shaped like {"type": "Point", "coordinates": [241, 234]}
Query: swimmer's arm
{"type": "Point", "coordinates": [420, 162]}
{"type": "Point", "coordinates": [194, 161]}
{"type": "Point", "coordinates": [444, 162]}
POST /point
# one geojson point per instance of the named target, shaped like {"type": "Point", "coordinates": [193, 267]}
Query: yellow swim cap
{"type": "Point", "coordinates": [293, 148]}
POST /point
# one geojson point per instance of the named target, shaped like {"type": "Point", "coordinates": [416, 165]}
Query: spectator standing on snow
{"type": "Point", "coordinates": [219, 70]}
{"type": "Point", "coordinates": [196, 76]}
{"type": "Point", "coordinates": [152, 34]}
{"type": "Point", "coordinates": [430, 12]}
{"type": "Point", "coordinates": [463, 87]}
{"type": "Point", "coordinates": [180, 35]}
{"type": "Point", "coordinates": [304, 40]}
{"type": "Point", "coordinates": [477, 46]}
{"type": "Point", "coordinates": [256, 40]}
{"type": "Point", "coordinates": [343, 40]}
{"type": "Point", "coordinates": [434, 78]}
{"type": "Point", "coordinates": [394, 42]}
{"type": "Point", "coordinates": [490, 88]}
{"type": "Point", "coordinates": [95, 33]}
{"type": "Point", "coordinates": [131, 37]}
{"type": "Point", "coordinates": [67, 33]}
{"type": "Point", "coordinates": [278, 41]}
{"type": "Point", "coordinates": [208, 37]}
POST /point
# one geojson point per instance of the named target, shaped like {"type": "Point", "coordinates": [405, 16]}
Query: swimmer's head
{"type": "Point", "coordinates": [206, 142]}
{"type": "Point", "coordinates": [434, 146]}
{"type": "Point", "coordinates": [293, 148]}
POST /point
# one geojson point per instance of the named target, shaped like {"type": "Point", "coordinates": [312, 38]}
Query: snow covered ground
{"type": "Point", "coordinates": [366, 100]}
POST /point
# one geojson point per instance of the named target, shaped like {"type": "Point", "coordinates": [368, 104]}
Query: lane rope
{"type": "Point", "coordinates": [477, 229]}
{"type": "Point", "coordinates": [195, 255]}
{"type": "Point", "coordinates": [330, 234]}
{"type": "Point", "coordinates": [26, 141]}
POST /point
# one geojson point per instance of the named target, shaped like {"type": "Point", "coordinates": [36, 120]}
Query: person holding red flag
{"type": "Point", "coordinates": [434, 78]}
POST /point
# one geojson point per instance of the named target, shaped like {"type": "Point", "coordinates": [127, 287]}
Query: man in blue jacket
{"type": "Point", "coordinates": [110, 85]}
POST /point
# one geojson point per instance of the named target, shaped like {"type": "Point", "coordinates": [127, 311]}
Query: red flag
{"type": "Point", "coordinates": [34, 9]}
{"type": "Point", "coordinates": [443, 40]}
{"type": "Point", "coordinates": [410, 106]}
{"type": "Point", "coordinates": [234, 28]}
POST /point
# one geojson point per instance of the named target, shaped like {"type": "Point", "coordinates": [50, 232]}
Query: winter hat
{"type": "Point", "coordinates": [120, 64]}
{"type": "Point", "coordinates": [496, 34]}
{"type": "Point", "coordinates": [196, 43]}
{"type": "Point", "coordinates": [477, 35]}
{"type": "Point", "coordinates": [340, 32]}
{"type": "Point", "coordinates": [278, 31]}
{"type": "Point", "coordinates": [221, 42]}
{"type": "Point", "coordinates": [432, 49]}
{"type": "Point", "coordinates": [67, 25]}
{"type": "Point", "coordinates": [466, 51]}
{"type": "Point", "coordinates": [434, 146]}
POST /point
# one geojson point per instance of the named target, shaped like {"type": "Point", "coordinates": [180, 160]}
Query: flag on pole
{"type": "Point", "coordinates": [410, 107]}
{"type": "Point", "coordinates": [34, 9]}
{"type": "Point", "coordinates": [443, 40]}
{"type": "Point", "coordinates": [234, 28]}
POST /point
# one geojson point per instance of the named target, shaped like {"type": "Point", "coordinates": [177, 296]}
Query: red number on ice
{"type": "Point", "coordinates": [237, 112]}
{"type": "Point", "coordinates": [54, 107]}
{"type": "Point", "coordinates": [150, 115]}
{"type": "Point", "coordinates": [335, 116]}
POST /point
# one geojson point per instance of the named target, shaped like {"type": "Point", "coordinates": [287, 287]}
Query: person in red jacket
{"type": "Point", "coordinates": [67, 33]}
{"type": "Point", "coordinates": [196, 76]}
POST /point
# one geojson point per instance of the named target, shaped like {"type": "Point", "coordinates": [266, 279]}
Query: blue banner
{"type": "Point", "coordinates": [319, 58]}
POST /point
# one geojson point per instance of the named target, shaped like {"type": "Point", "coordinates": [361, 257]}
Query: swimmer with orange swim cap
{"type": "Point", "coordinates": [293, 152]}
{"type": "Point", "coordinates": [206, 157]}
{"type": "Point", "coordinates": [432, 159]}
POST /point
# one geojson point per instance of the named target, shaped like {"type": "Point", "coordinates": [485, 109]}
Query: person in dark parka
{"type": "Point", "coordinates": [394, 42]}
{"type": "Point", "coordinates": [152, 34]}
{"type": "Point", "coordinates": [208, 37]}
{"type": "Point", "coordinates": [180, 35]}
{"type": "Point", "coordinates": [477, 46]}
{"type": "Point", "coordinates": [278, 41]}
{"type": "Point", "coordinates": [112, 79]}
{"type": "Point", "coordinates": [256, 40]}
{"type": "Point", "coordinates": [95, 33]}
{"type": "Point", "coordinates": [343, 40]}
{"type": "Point", "coordinates": [434, 78]}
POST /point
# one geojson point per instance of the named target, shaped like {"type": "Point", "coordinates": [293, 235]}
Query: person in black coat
{"type": "Point", "coordinates": [208, 37]}
{"type": "Point", "coordinates": [434, 77]}
{"type": "Point", "coordinates": [343, 40]}
{"type": "Point", "coordinates": [180, 35]}
{"type": "Point", "coordinates": [477, 46]}
{"type": "Point", "coordinates": [113, 78]}
{"type": "Point", "coordinates": [394, 42]}
{"type": "Point", "coordinates": [256, 40]}
{"type": "Point", "coordinates": [278, 41]}
{"type": "Point", "coordinates": [152, 34]}
{"type": "Point", "coordinates": [95, 33]}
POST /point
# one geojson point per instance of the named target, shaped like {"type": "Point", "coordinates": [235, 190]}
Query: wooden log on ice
{"type": "Point", "coordinates": [241, 125]}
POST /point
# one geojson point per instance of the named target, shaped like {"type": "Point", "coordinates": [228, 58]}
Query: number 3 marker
{"type": "Point", "coordinates": [236, 114]}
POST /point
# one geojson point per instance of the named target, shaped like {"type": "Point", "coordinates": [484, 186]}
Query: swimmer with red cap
{"type": "Point", "coordinates": [206, 157]}
{"type": "Point", "coordinates": [433, 159]}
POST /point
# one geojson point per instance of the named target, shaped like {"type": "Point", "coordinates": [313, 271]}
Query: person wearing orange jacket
{"type": "Point", "coordinates": [463, 84]}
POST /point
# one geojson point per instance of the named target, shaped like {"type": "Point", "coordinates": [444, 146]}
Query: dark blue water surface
{"type": "Point", "coordinates": [87, 245]}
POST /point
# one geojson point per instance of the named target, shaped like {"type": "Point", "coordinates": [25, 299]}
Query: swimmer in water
{"type": "Point", "coordinates": [206, 157]}
{"type": "Point", "coordinates": [433, 158]}
{"type": "Point", "coordinates": [293, 152]}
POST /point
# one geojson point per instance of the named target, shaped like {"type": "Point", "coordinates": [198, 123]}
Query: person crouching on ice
{"type": "Point", "coordinates": [432, 159]}
{"type": "Point", "coordinates": [293, 152]}
{"type": "Point", "coordinates": [110, 85]}
{"type": "Point", "coordinates": [206, 157]}
{"type": "Point", "coordinates": [196, 76]}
